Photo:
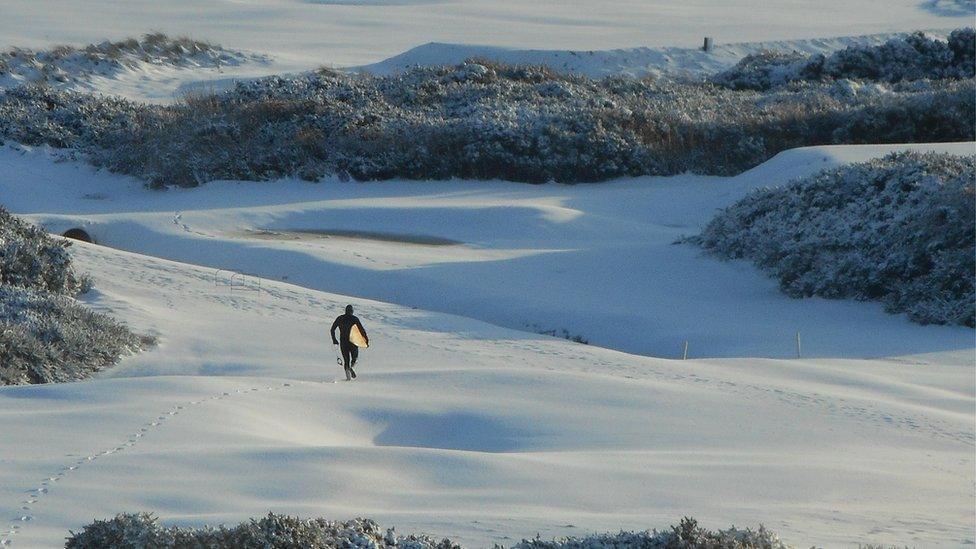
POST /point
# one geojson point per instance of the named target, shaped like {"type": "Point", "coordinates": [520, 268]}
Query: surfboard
{"type": "Point", "coordinates": [356, 338]}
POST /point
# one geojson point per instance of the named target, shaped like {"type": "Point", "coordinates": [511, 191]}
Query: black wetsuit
{"type": "Point", "coordinates": [345, 323]}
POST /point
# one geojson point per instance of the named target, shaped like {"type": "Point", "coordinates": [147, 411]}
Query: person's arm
{"type": "Point", "coordinates": [332, 332]}
{"type": "Point", "coordinates": [362, 330]}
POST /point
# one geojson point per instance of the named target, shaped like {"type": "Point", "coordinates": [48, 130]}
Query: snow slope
{"type": "Point", "coordinates": [158, 81]}
{"type": "Point", "coordinates": [351, 32]}
{"type": "Point", "coordinates": [382, 36]}
{"type": "Point", "coordinates": [598, 261]}
{"type": "Point", "coordinates": [463, 429]}
{"type": "Point", "coordinates": [581, 36]}
{"type": "Point", "coordinates": [458, 426]}
{"type": "Point", "coordinates": [642, 61]}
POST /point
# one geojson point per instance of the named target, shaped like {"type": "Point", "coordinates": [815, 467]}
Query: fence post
{"type": "Point", "coordinates": [685, 355]}
{"type": "Point", "coordinates": [799, 345]}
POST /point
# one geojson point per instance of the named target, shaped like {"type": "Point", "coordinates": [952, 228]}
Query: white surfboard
{"type": "Point", "coordinates": [356, 338]}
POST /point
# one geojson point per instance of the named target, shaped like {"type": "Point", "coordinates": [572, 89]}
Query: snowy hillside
{"type": "Point", "coordinates": [458, 428]}
{"type": "Point", "coordinates": [596, 260]}
{"type": "Point", "coordinates": [640, 61]}
{"type": "Point", "coordinates": [589, 38]}
{"type": "Point", "coordinates": [551, 360]}
{"type": "Point", "coordinates": [310, 33]}
{"type": "Point", "coordinates": [154, 67]}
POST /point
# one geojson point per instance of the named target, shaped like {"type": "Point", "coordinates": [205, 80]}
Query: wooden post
{"type": "Point", "coordinates": [707, 46]}
{"type": "Point", "coordinates": [799, 346]}
{"type": "Point", "coordinates": [685, 355]}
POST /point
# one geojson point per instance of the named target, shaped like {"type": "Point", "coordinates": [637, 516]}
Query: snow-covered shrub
{"type": "Point", "coordinates": [29, 258]}
{"type": "Point", "coordinates": [904, 58]}
{"type": "Point", "coordinates": [45, 335]}
{"type": "Point", "coordinates": [40, 115]}
{"type": "Point", "coordinates": [477, 120]}
{"type": "Point", "coordinates": [65, 65]}
{"type": "Point", "coordinates": [900, 229]}
{"type": "Point", "coordinates": [284, 532]}
{"type": "Point", "coordinates": [273, 531]}
{"type": "Point", "coordinates": [49, 338]}
{"type": "Point", "coordinates": [763, 70]}
{"type": "Point", "coordinates": [686, 535]}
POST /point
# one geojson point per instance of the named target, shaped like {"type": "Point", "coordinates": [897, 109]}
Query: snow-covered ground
{"type": "Point", "coordinates": [158, 81]}
{"type": "Point", "coordinates": [466, 429]}
{"type": "Point", "coordinates": [465, 422]}
{"type": "Point", "coordinates": [596, 260]}
{"type": "Point", "coordinates": [581, 36]}
{"type": "Point", "coordinates": [639, 61]}
{"type": "Point", "coordinates": [460, 428]}
{"type": "Point", "coordinates": [358, 32]}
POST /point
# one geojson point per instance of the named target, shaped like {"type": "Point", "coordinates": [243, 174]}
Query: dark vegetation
{"type": "Point", "coordinates": [900, 230]}
{"type": "Point", "coordinates": [913, 57]}
{"type": "Point", "coordinates": [284, 532]}
{"type": "Point", "coordinates": [563, 333]}
{"type": "Point", "coordinates": [45, 335]}
{"type": "Point", "coordinates": [485, 120]}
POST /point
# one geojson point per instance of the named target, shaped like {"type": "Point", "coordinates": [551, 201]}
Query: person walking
{"type": "Point", "coordinates": [352, 335]}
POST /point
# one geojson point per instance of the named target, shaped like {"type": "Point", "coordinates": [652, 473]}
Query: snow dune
{"type": "Point", "coordinates": [580, 36]}
{"type": "Point", "coordinates": [464, 422]}
{"type": "Point", "coordinates": [346, 32]}
{"type": "Point", "coordinates": [640, 61]}
{"type": "Point", "coordinates": [598, 261]}
{"type": "Point", "coordinates": [159, 82]}
{"type": "Point", "coordinates": [468, 430]}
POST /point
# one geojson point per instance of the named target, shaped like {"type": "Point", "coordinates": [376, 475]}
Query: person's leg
{"type": "Point", "coordinates": [345, 348]}
{"type": "Point", "coordinates": [354, 354]}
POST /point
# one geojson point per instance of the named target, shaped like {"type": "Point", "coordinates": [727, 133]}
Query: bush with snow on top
{"type": "Point", "coordinates": [45, 335]}
{"type": "Point", "coordinates": [900, 229]}
{"type": "Point", "coordinates": [284, 532]}
{"type": "Point", "coordinates": [272, 531]}
{"type": "Point", "coordinates": [686, 535]}
{"type": "Point", "coordinates": [62, 66]}
{"type": "Point", "coordinates": [903, 58]}
{"type": "Point", "coordinates": [502, 122]}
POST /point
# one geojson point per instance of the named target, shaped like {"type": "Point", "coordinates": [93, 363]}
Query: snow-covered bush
{"type": "Point", "coordinates": [66, 65]}
{"type": "Point", "coordinates": [45, 335]}
{"type": "Point", "coordinates": [904, 58]}
{"type": "Point", "coordinates": [284, 532]}
{"type": "Point", "coordinates": [686, 535]}
{"type": "Point", "coordinates": [477, 120]}
{"type": "Point", "coordinates": [31, 259]}
{"type": "Point", "coordinates": [49, 338]}
{"type": "Point", "coordinates": [273, 532]}
{"type": "Point", "coordinates": [763, 70]}
{"type": "Point", "coordinates": [900, 229]}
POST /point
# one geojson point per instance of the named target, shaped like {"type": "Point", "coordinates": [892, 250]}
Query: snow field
{"type": "Point", "coordinates": [455, 427]}
{"type": "Point", "coordinates": [470, 430]}
{"type": "Point", "coordinates": [596, 260]}
{"type": "Point", "coordinates": [593, 39]}
{"type": "Point", "coordinates": [634, 61]}
{"type": "Point", "coordinates": [359, 33]}
{"type": "Point", "coordinates": [472, 426]}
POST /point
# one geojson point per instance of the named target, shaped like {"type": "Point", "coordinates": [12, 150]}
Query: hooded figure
{"type": "Point", "coordinates": [350, 352]}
